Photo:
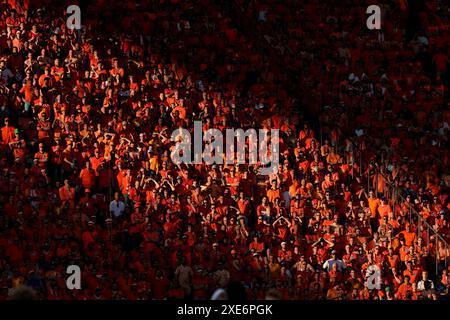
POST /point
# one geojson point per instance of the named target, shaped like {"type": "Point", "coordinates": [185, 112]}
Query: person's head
{"type": "Point", "coordinates": [424, 275]}
{"type": "Point", "coordinates": [277, 201]}
{"type": "Point", "coordinates": [419, 242]}
{"type": "Point", "coordinates": [23, 293]}
{"type": "Point", "coordinates": [264, 200]}
{"type": "Point", "coordinates": [352, 274]}
{"type": "Point", "coordinates": [333, 254]}
{"type": "Point", "coordinates": [334, 267]}
{"type": "Point", "coordinates": [377, 249]}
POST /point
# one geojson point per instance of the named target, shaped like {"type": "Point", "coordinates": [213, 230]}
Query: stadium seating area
{"type": "Point", "coordinates": [359, 207]}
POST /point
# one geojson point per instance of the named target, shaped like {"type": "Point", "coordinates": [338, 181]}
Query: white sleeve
{"type": "Point", "coordinates": [420, 285]}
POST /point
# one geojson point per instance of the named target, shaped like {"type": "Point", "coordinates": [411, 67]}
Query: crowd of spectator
{"type": "Point", "coordinates": [87, 178]}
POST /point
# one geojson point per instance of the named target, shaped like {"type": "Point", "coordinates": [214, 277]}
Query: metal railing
{"type": "Point", "coordinates": [392, 192]}
{"type": "Point", "coordinates": [395, 196]}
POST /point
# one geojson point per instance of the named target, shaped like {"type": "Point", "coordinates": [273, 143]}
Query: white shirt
{"type": "Point", "coordinates": [262, 15]}
{"type": "Point", "coordinates": [329, 264]}
{"type": "Point", "coordinates": [421, 285]}
{"type": "Point", "coordinates": [287, 199]}
{"type": "Point", "coordinates": [117, 208]}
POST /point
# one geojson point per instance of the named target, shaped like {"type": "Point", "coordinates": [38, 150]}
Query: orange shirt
{"type": "Point", "coordinates": [7, 134]}
{"type": "Point", "coordinates": [383, 210]}
{"type": "Point", "coordinates": [27, 91]}
{"type": "Point", "coordinates": [95, 162]}
{"type": "Point", "coordinates": [412, 275]}
{"type": "Point", "coordinates": [410, 237]}
{"type": "Point", "coordinates": [273, 194]}
{"type": "Point", "coordinates": [126, 183]}
{"type": "Point", "coordinates": [294, 189]}
{"type": "Point", "coordinates": [42, 79]}
{"type": "Point", "coordinates": [42, 157]}
{"type": "Point", "coordinates": [181, 110]}
{"type": "Point", "coordinates": [118, 71]}
{"type": "Point", "coordinates": [373, 206]}
{"type": "Point", "coordinates": [243, 206]}
{"type": "Point", "coordinates": [393, 261]}
{"type": "Point", "coordinates": [57, 72]}
{"type": "Point", "coordinates": [258, 247]}
{"type": "Point", "coordinates": [403, 252]}
{"type": "Point", "coordinates": [333, 158]}
{"type": "Point", "coordinates": [233, 181]}
{"type": "Point", "coordinates": [20, 151]}
{"type": "Point", "coordinates": [17, 43]}
{"type": "Point", "coordinates": [380, 182]}
{"type": "Point", "coordinates": [67, 195]}
{"type": "Point", "coordinates": [87, 178]}
{"type": "Point", "coordinates": [43, 134]}
{"type": "Point", "coordinates": [403, 290]}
